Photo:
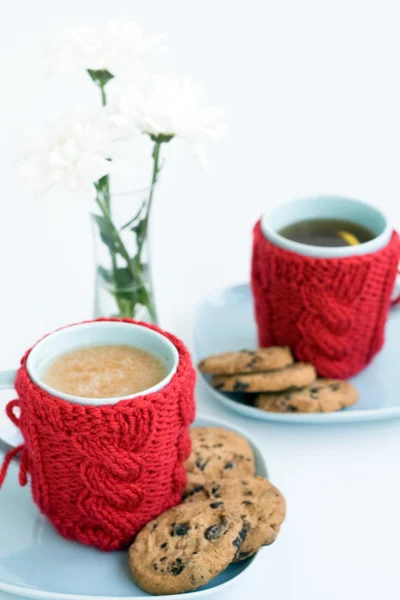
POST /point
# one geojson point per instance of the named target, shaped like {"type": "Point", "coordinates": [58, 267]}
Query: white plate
{"type": "Point", "coordinates": [226, 322]}
{"type": "Point", "coordinates": [36, 562]}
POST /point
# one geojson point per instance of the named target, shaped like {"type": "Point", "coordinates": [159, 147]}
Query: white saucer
{"type": "Point", "coordinates": [36, 562]}
{"type": "Point", "coordinates": [226, 322]}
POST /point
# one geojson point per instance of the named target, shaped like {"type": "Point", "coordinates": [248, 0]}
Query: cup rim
{"type": "Point", "coordinates": [377, 243]}
{"type": "Point", "coordinates": [85, 401]}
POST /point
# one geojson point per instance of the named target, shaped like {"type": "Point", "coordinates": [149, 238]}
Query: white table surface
{"type": "Point", "coordinates": [312, 93]}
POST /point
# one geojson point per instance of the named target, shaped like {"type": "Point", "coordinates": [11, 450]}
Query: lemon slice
{"type": "Point", "coordinates": [349, 238]}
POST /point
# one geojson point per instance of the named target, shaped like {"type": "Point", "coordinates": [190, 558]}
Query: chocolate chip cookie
{"type": "Point", "coordinates": [324, 395]}
{"type": "Point", "coordinates": [218, 454]}
{"type": "Point", "coordinates": [184, 548]}
{"type": "Point", "coordinates": [260, 505]}
{"type": "Point", "coordinates": [247, 361]}
{"type": "Point", "coordinates": [296, 375]}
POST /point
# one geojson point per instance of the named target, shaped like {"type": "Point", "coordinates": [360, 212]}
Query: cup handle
{"type": "Point", "coordinates": [396, 290]}
{"type": "Point", "coordinates": [7, 379]}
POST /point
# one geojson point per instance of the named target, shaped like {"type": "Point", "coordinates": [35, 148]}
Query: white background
{"type": "Point", "coordinates": [312, 93]}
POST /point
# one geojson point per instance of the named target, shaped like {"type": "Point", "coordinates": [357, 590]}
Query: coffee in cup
{"type": "Point", "coordinates": [104, 371]}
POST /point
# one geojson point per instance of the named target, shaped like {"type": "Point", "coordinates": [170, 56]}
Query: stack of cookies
{"type": "Point", "coordinates": [226, 515]}
{"type": "Point", "coordinates": [275, 383]}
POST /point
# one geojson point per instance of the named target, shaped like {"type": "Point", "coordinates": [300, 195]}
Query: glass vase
{"type": "Point", "coordinates": [123, 286]}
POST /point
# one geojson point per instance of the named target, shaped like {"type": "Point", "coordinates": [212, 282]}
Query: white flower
{"type": "Point", "coordinates": [113, 47]}
{"type": "Point", "coordinates": [168, 106]}
{"type": "Point", "coordinates": [73, 153]}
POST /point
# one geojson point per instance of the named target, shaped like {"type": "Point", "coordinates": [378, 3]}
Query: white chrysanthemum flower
{"type": "Point", "coordinates": [168, 106]}
{"type": "Point", "coordinates": [73, 153]}
{"type": "Point", "coordinates": [114, 47]}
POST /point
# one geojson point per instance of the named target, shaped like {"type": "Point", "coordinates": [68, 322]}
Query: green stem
{"type": "Point", "coordinates": [154, 176]}
{"type": "Point", "coordinates": [105, 181]}
{"type": "Point", "coordinates": [104, 184]}
{"type": "Point", "coordinates": [126, 306]}
{"type": "Point", "coordinates": [103, 94]}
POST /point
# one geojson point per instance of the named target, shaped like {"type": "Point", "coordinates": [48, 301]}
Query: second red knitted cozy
{"type": "Point", "coordinates": [330, 312]}
{"type": "Point", "coordinates": [99, 473]}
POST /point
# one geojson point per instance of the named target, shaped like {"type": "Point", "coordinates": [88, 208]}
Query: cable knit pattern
{"type": "Point", "coordinates": [100, 473]}
{"type": "Point", "coordinates": [331, 312]}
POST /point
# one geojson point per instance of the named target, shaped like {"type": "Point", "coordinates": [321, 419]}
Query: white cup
{"type": "Point", "coordinates": [326, 207]}
{"type": "Point", "coordinates": [97, 333]}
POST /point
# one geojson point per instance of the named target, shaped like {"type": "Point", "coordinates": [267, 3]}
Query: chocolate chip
{"type": "Point", "coordinates": [163, 558]}
{"type": "Point", "coordinates": [216, 504]}
{"type": "Point", "coordinates": [243, 555]}
{"type": "Point", "coordinates": [215, 491]}
{"type": "Point", "coordinates": [164, 545]}
{"type": "Point", "coordinates": [335, 387]}
{"type": "Point", "coordinates": [155, 566]}
{"type": "Point", "coordinates": [247, 502]}
{"type": "Point", "coordinates": [176, 567]}
{"type": "Point", "coordinates": [236, 542]}
{"type": "Point", "coordinates": [229, 465]}
{"type": "Point", "coordinates": [155, 525]}
{"type": "Point", "coordinates": [252, 362]}
{"type": "Point", "coordinates": [215, 531]}
{"type": "Point", "coordinates": [219, 386]}
{"type": "Point", "coordinates": [193, 580]}
{"type": "Point", "coordinates": [243, 532]}
{"type": "Point", "coordinates": [314, 390]}
{"type": "Point", "coordinates": [291, 408]}
{"type": "Point", "coordinates": [179, 529]}
{"type": "Point", "coordinates": [240, 386]}
{"type": "Point", "coordinates": [247, 493]}
{"type": "Point", "coordinates": [201, 465]}
{"type": "Point", "coordinates": [217, 445]}
{"type": "Point", "coordinates": [195, 490]}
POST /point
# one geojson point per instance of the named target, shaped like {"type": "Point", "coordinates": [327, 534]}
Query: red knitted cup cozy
{"type": "Point", "coordinates": [99, 473]}
{"type": "Point", "coordinates": [331, 312]}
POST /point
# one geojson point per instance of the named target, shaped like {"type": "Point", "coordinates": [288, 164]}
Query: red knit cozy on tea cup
{"type": "Point", "coordinates": [330, 311]}
{"type": "Point", "coordinates": [100, 473]}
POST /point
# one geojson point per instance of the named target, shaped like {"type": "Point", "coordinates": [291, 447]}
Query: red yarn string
{"type": "Point", "coordinates": [6, 463]}
{"type": "Point", "coordinates": [10, 411]}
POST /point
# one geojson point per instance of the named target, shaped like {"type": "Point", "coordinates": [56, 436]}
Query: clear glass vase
{"type": "Point", "coordinates": [123, 271]}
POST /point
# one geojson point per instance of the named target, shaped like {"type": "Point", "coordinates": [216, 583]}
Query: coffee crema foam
{"type": "Point", "coordinates": [104, 371]}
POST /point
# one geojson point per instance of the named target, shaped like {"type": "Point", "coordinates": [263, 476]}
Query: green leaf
{"type": "Point", "coordinates": [105, 274]}
{"type": "Point", "coordinates": [100, 76]}
{"type": "Point", "coordinates": [123, 277]}
{"type": "Point", "coordinates": [162, 138]}
{"type": "Point", "coordinates": [107, 232]}
{"type": "Point", "coordinates": [120, 278]}
{"type": "Point", "coordinates": [140, 230]}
